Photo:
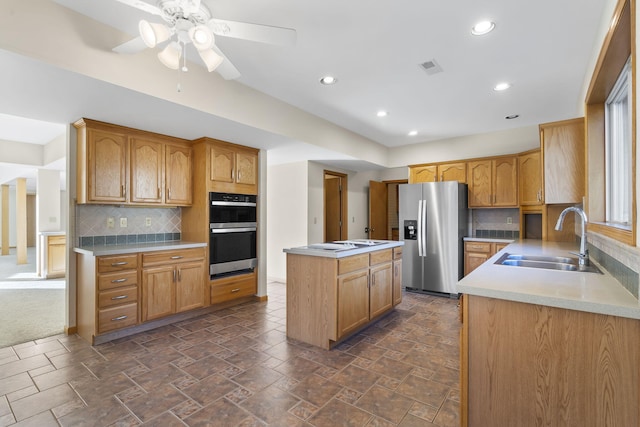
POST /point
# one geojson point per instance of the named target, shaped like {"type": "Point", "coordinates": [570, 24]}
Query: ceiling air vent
{"type": "Point", "coordinates": [431, 67]}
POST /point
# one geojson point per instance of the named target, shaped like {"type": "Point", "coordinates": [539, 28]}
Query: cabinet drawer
{"type": "Point", "coordinates": [380, 256]}
{"type": "Point", "coordinates": [57, 240]}
{"type": "Point", "coordinates": [353, 263]}
{"type": "Point", "coordinates": [117, 279]}
{"type": "Point", "coordinates": [397, 253]}
{"type": "Point", "coordinates": [118, 296]}
{"type": "Point", "coordinates": [228, 291]}
{"type": "Point", "coordinates": [117, 317]}
{"type": "Point", "coordinates": [484, 247]}
{"type": "Point", "coordinates": [117, 262]}
{"type": "Point", "coordinates": [170, 257]}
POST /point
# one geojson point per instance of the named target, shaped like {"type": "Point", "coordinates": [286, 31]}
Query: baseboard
{"type": "Point", "coordinates": [263, 298]}
{"type": "Point", "coordinates": [70, 330]}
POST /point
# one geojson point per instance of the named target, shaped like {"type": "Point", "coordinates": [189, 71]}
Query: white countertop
{"type": "Point", "coordinates": [52, 233]}
{"type": "Point", "coordinates": [590, 292]}
{"type": "Point", "coordinates": [333, 251]}
{"type": "Point", "coordinates": [487, 239]}
{"type": "Point", "coordinates": [135, 248]}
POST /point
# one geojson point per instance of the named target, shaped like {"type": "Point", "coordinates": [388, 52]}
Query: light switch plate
{"type": "Point", "coordinates": [123, 222]}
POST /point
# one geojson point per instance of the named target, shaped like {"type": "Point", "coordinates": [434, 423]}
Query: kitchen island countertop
{"type": "Point", "coordinates": [101, 250]}
{"type": "Point", "coordinates": [341, 249]}
{"type": "Point", "coordinates": [589, 292]}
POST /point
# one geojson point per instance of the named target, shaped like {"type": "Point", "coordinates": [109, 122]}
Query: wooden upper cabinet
{"type": "Point", "coordinates": [453, 172]}
{"type": "Point", "coordinates": [105, 167]}
{"type": "Point", "coordinates": [493, 182]}
{"type": "Point", "coordinates": [424, 173]}
{"type": "Point", "coordinates": [479, 178]}
{"type": "Point", "coordinates": [147, 170]}
{"type": "Point", "coordinates": [563, 148]}
{"type": "Point", "coordinates": [530, 179]}
{"type": "Point", "coordinates": [178, 175]}
{"type": "Point", "coordinates": [505, 181]}
{"type": "Point", "coordinates": [222, 164]}
{"type": "Point", "coordinates": [247, 168]}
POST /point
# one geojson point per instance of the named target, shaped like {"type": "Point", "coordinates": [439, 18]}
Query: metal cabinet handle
{"type": "Point", "coordinates": [235, 290]}
{"type": "Point", "coordinates": [115, 319]}
{"type": "Point", "coordinates": [119, 297]}
{"type": "Point", "coordinates": [176, 257]}
{"type": "Point", "coordinates": [174, 275]}
{"type": "Point", "coordinates": [117, 264]}
{"type": "Point", "coordinates": [119, 280]}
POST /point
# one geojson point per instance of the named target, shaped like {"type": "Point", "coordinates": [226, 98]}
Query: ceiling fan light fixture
{"type": "Point", "coordinates": [211, 59]}
{"type": "Point", "coordinates": [170, 55]}
{"type": "Point", "coordinates": [201, 37]}
{"type": "Point", "coordinates": [153, 33]}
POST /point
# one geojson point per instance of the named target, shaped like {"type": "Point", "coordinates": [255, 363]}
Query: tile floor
{"type": "Point", "coordinates": [236, 368]}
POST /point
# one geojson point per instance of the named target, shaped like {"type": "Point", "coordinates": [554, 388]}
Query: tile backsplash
{"type": "Point", "coordinates": [493, 223]}
{"type": "Point", "coordinates": [93, 224]}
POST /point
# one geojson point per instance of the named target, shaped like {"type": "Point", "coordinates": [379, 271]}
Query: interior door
{"type": "Point", "coordinates": [378, 210]}
{"type": "Point", "coordinates": [332, 208]}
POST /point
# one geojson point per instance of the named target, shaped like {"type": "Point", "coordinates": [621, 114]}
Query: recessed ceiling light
{"type": "Point", "coordinates": [482, 28]}
{"type": "Point", "coordinates": [382, 113]}
{"type": "Point", "coordinates": [502, 86]}
{"type": "Point", "coordinates": [413, 133]}
{"type": "Point", "coordinates": [512, 116]}
{"type": "Point", "coordinates": [328, 80]}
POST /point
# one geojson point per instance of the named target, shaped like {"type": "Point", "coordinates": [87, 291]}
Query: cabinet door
{"type": "Point", "coordinates": [158, 292]}
{"type": "Point", "coordinates": [246, 168]}
{"type": "Point", "coordinates": [353, 301]}
{"type": "Point", "coordinates": [564, 169]}
{"type": "Point", "coordinates": [190, 286]}
{"type": "Point", "coordinates": [530, 179]}
{"type": "Point", "coordinates": [505, 182]}
{"type": "Point", "coordinates": [479, 180]}
{"type": "Point", "coordinates": [178, 175]}
{"type": "Point", "coordinates": [146, 171]}
{"type": "Point", "coordinates": [423, 174]}
{"type": "Point", "coordinates": [453, 172]}
{"type": "Point", "coordinates": [56, 258]}
{"type": "Point", "coordinates": [473, 260]}
{"type": "Point", "coordinates": [222, 164]}
{"type": "Point", "coordinates": [381, 290]}
{"type": "Point", "coordinates": [397, 282]}
{"type": "Point", "coordinates": [107, 164]}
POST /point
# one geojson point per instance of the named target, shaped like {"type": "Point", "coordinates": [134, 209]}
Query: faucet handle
{"type": "Point", "coordinates": [584, 258]}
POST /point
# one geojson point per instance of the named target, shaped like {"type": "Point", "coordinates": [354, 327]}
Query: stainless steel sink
{"type": "Point", "coordinates": [546, 262]}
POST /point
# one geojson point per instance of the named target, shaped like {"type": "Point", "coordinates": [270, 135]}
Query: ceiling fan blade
{"type": "Point", "coordinates": [132, 46]}
{"type": "Point", "coordinates": [226, 69]}
{"type": "Point", "coordinates": [139, 4]}
{"type": "Point", "coordinates": [254, 32]}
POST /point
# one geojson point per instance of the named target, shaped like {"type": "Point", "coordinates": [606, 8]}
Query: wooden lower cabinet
{"type": "Point", "coordinates": [173, 282]}
{"type": "Point", "coordinates": [233, 287]}
{"type": "Point", "coordinates": [476, 253]}
{"type": "Point", "coordinates": [528, 364]}
{"type": "Point", "coordinates": [329, 299]}
{"type": "Point", "coordinates": [56, 256]}
{"type": "Point", "coordinates": [397, 276]}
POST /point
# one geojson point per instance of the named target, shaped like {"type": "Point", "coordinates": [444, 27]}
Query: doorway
{"type": "Point", "coordinates": [335, 206]}
{"type": "Point", "coordinates": [383, 209]}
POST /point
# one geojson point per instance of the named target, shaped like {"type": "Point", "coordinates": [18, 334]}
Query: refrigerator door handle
{"type": "Point", "coordinates": [423, 219]}
{"type": "Point", "coordinates": [419, 231]}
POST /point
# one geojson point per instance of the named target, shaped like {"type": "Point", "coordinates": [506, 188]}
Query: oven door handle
{"type": "Point", "coordinates": [244, 204]}
{"type": "Point", "coordinates": [232, 230]}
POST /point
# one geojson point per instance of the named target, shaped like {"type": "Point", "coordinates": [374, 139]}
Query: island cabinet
{"type": "Point", "coordinates": [329, 299]}
{"type": "Point", "coordinates": [397, 276]}
{"type": "Point", "coordinates": [173, 282]}
{"type": "Point", "coordinates": [529, 364]}
{"type": "Point", "coordinates": [124, 166]}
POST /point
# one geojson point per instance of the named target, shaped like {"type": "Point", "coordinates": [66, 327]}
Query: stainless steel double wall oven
{"type": "Point", "coordinates": [232, 248]}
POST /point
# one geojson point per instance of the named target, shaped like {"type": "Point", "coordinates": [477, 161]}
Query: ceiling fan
{"type": "Point", "coordinates": [190, 22]}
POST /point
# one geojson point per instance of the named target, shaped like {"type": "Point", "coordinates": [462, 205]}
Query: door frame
{"type": "Point", "coordinates": [344, 229]}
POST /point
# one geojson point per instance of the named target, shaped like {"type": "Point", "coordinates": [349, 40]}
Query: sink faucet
{"type": "Point", "coordinates": [583, 256]}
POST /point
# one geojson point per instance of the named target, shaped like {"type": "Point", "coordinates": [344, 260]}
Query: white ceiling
{"type": "Point", "coordinates": [374, 48]}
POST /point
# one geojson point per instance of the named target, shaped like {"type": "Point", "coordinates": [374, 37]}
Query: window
{"type": "Point", "coordinates": [618, 151]}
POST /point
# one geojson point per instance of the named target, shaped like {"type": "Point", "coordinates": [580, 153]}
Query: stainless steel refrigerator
{"type": "Point", "coordinates": [433, 221]}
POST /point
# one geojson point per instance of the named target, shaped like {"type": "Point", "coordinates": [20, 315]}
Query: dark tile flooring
{"type": "Point", "coordinates": [236, 368]}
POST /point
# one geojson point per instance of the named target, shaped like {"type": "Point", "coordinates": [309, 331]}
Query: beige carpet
{"type": "Point", "coordinates": [30, 308]}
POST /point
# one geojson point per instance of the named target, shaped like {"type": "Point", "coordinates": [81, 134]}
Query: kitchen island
{"type": "Point", "coordinates": [551, 347]}
{"type": "Point", "coordinates": [336, 289]}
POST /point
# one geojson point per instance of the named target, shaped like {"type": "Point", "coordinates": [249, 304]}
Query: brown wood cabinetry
{"type": "Point", "coordinates": [56, 256]}
{"type": "Point", "coordinates": [119, 165]}
{"type": "Point", "coordinates": [233, 169]}
{"type": "Point", "coordinates": [329, 299]}
{"type": "Point", "coordinates": [530, 178]}
{"type": "Point", "coordinates": [173, 282]}
{"type": "Point", "coordinates": [438, 172]}
{"type": "Point", "coordinates": [397, 276]}
{"type": "Point", "coordinates": [233, 287]}
{"type": "Point", "coordinates": [476, 253]}
{"type": "Point", "coordinates": [423, 173]}
{"type": "Point", "coordinates": [493, 182]}
{"type": "Point", "coordinates": [563, 149]}
{"type": "Point", "coordinates": [107, 294]}
{"type": "Point", "coordinates": [549, 365]}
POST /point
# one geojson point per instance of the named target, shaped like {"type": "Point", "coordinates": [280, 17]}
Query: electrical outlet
{"type": "Point", "coordinates": [111, 222]}
{"type": "Point", "coordinates": [123, 222]}
{"type": "Point", "coordinates": [509, 220]}
{"type": "Point", "coordinates": [147, 221]}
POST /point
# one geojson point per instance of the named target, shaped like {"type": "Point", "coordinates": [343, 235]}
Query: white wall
{"type": "Point", "coordinates": [48, 200]}
{"type": "Point", "coordinates": [287, 208]}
